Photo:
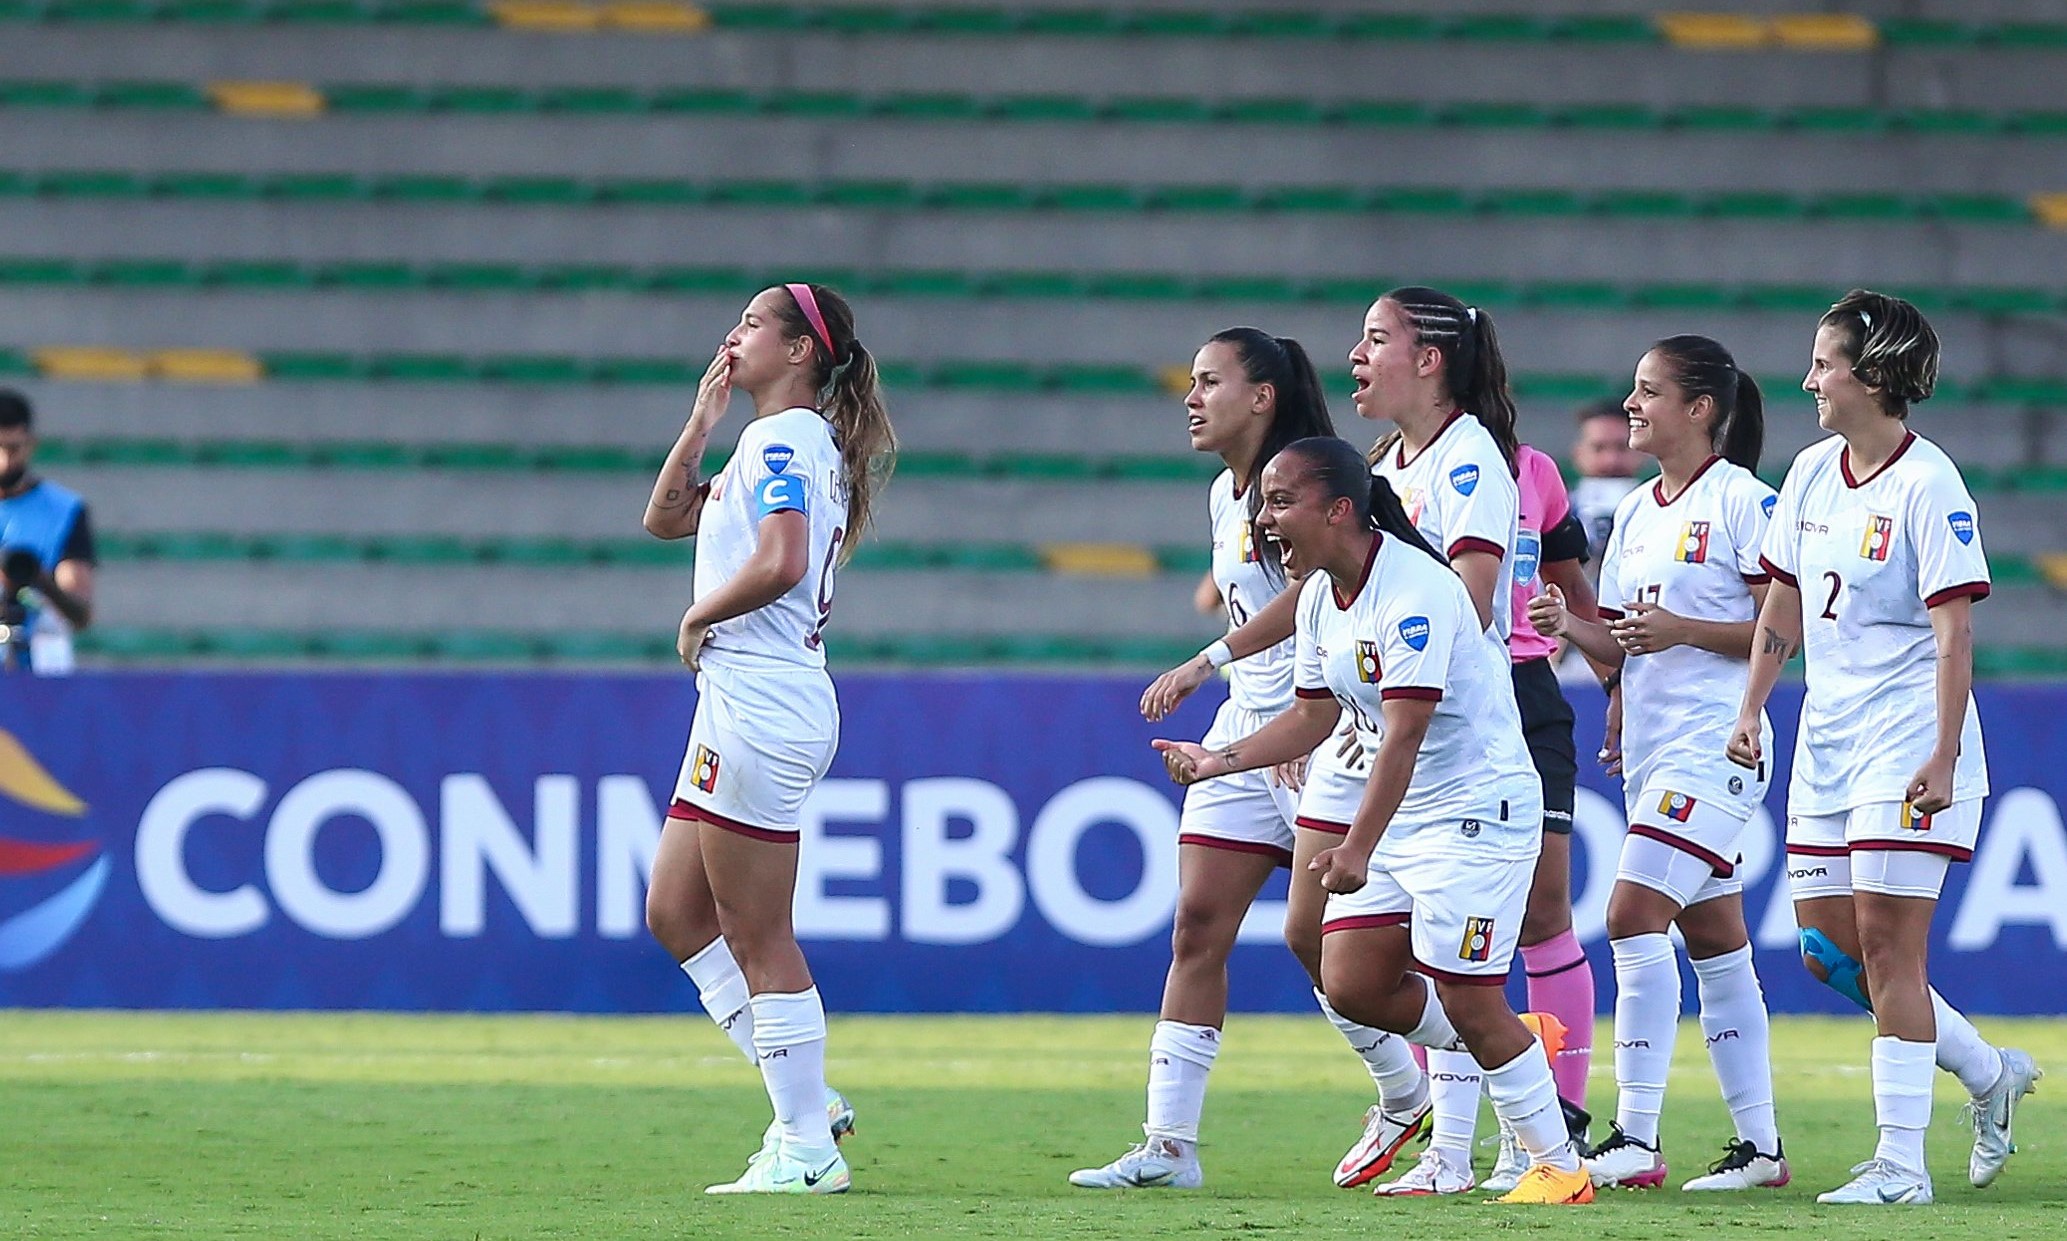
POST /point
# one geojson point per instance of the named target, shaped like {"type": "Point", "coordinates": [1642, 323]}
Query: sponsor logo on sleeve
{"type": "Point", "coordinates": [1693, 543]}
{"type": "Point", "coordinates": [704, 772]}
{"type": "Point", "coordinates": [1528, 554]}
{"type": "Point", "coordinates": [777, 457]}
{"type": "Point", "coordinates": [1962, 526]}
{"type": "Point", "coordinates": [1676, 806]}
{"type": "Point", "coordinates": [1465, 479]}
{"type": "Point", "coordinates": [1414, 632]}
{"type": "Point", "coordinates": [1367, 667]}
{"type": "Point", "coordinates": [1880, 537]}
{"type": "Point", "coordinates": [1478, 940]}
{"type": "Point", "coordinates": [1768, 504]}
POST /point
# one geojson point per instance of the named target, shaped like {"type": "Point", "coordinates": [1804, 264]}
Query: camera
{"type": "Point", "coordinates": [19, 568]}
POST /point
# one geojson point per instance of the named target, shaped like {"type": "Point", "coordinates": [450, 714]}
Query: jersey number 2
{"type": "Point", "coordinates": [1830, 605]}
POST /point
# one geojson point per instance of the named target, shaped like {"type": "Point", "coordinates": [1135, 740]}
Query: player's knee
{"type": "Point", "coordinates": [1833, 967]}
{"type": "Point", "coordinates": [1202, 934]}
{"type": "Point", "coordinates": [676, 926]}
{"type": "Point", "coordinates": [1305, 943]}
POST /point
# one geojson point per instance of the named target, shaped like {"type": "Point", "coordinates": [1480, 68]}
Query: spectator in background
{"type": "Point", "coordinates": [1606, 466]}
{"type": "Point", "coordinates": [42, 520]}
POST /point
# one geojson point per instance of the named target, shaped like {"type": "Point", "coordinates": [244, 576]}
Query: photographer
{"type": "Point", "coordinates": [46, 554]}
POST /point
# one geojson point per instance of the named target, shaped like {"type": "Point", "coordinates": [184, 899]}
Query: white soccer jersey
{"type": "Point", "coordinates": [1460, 494]}
{"type": "Point", "coordinates": [1262, 682]}
{"type": "Point", "coordinates": [1410, 631]}
{"type": "Point", "coordinates": [1694, 554]}
{"type": "Point", "coordinates": [786, 461]}
{"type": "Point", "coordinates": [1871, 557]}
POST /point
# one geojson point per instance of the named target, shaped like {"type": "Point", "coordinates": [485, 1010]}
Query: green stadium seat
{"type": "Point", "coordinates": [472, 277]}
{"type": "Point", "coordinates": [1864, 207]}
{"type": "Point", "coordinates": [1976, 208]}
{"type": "Point", "coordinates": [1908, 32]}
{"type": "Point", "coordinates": [977, 196]}
{"type": "Point", "coordinates": [1719, 116]}
{"type": "Point", "coordinates": [423, 367]}
{"type": "Point", "coordinates": [537, 191]}
{"type": "Point", "coordinates": [1837, 120]}
{"type": "Point", "coordinates": [1533, 202]}
{"type": "Point", "coordinates": [1198, 198]}
{"type": "Point", "coordinates": [870, 195]}
{"type": "Point", "coordinates": [423, 188]}
{"type": "Point", "coordinates": [1493, 115]}
{"type": "Point", "coordinates": [372, 276]}
{"type": "Point", "coordinates": [88, 184]}
{"type": "Point", "coordinates": [595, 101]}
{"type": "Point", "coordinates": [1043, 108]}
{"type": "Point", "coordinates": [322, 186]}
{"type": "Point", "coordinates": [1106, 379]}
{"type": "Point", "coordinates": [260, 645]}
{"type": "Point", "coordinates": [1381, 112]}
{"type": "Point", "coordinates": [41, 271]}
{"type": "Point", "coordinates": [1753, 205]}
{"type": "Point", "coordinates": [1247, 288]}
{"type": "Point", "coordinates": [1496, 27]}
{"type": "Point", "coordinates": [963, 20]}
{"type": "Point", "coordinates": [1607, 116]}
{"type": "Point", "coordinates": [368, 645]}
{"type": "Point", "coordinates": [1073, 22]}
{"type": "Point", "coordinates": [355, 98]}
{"type": "Point", "coordinates": [1084, 197]}
{"type": "Point", "coordinates": [931, 107]}
{"type": "Point", "coordinates": [535, 369]}
{"type": "Point", "coordinates": [1156, 108]}
{"type": "Point", "coordinates": [824, 105]}
{"type": "Point", "coordinates": [1602, 28]}
{"type": "Point", "coordinates": [2028, 36]}
{"type": "Point", "coordinates": [645, 371]}
{"type": "Point", "coordinates": [257, 275]}
{"type": "Point", "coordinates": [1420, 201]}
{"type": "Point", "coordinates": [141, 273]}
{"type": "Point", "coordinates": [47, 95]}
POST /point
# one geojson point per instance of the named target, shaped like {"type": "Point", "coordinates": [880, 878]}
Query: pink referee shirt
{"type": "Point", "coordinates": [1544, 505]}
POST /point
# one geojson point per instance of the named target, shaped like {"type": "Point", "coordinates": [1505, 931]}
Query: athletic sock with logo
{"type": "Point", "coordinates": [1646, 1022]}
{"type": "Point", "coordinates": [789, 1038]}
{"type": "Point", "coordinates": [1561, 984]}
{"type": "Point", "coordinates": [1902, 1099]}
{"type": "Point", "coordinates": [722, 989]}
{"type": "Point", "coordinates": [1455, 1082]}
{"type": "Point", "coordinates": [1389, 1058]}
{"type": "Point", "coordinates": [1738, 1030]}
{"type": "Point", "coordinates": [1962, 1051]}
{"type": "Point", "coordinates": [1180, 1057]}
{"type": "Point", "coordinates": [1525, 1099]}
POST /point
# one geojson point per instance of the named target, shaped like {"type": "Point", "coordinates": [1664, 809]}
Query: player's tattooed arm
{"type": "Point", "coordinates": [1775, 645]}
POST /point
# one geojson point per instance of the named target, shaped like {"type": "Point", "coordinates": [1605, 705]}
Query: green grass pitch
{"type": "Point", "coordinates": [319, 1126]}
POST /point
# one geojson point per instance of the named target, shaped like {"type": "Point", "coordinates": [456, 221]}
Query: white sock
{"type": "Point", "coordinates": [722, 989]}
{"type": "Point", "coordinates": [1646, 1022]}
{"type": "Point", "coordinates": [1734, 1019]}
{"type": "Point", "coordinates": [789, 1038]}
{"type": "Point", "coordinates": [1902, 1099]}
{"type": "Point", "coordinates": [1402, 1086]}
{"type": "Point", "coordinates": [1525, 1099]}
{"type": "Point", "coordinates": [1434, 1031]}
{"type": "Point", "coordinates": [1179, 1059]}
{"type": "Point", "coordinates": [1454, 1083]}
{"type": "Point", "coordinates": [1962, 1051]}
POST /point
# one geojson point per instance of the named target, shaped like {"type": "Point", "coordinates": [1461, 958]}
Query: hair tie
{"type": "Point", "coordinates": [1866, 319]}
{"type": "Point", "coordinates": [1471, 313]}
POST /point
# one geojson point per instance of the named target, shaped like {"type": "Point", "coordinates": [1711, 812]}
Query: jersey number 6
{"type": "Point", "coordinates": [816, 638]}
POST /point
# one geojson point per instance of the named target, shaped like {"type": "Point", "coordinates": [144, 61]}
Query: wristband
{"type": "Point", "coordinates": [1219, 655]}
{"type": "Point", "coordinates": [1614, 681]}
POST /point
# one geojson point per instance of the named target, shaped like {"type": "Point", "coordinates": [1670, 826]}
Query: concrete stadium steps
{"type": "Point", "coordinates": [423, 599]}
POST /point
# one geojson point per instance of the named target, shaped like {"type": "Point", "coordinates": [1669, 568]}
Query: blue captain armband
{"type": "Point", "coordinates": [780, 493]}
{"type": "Point", "coordinates": [1840, 972]}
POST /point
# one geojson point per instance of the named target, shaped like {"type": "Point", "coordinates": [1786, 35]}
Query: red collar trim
{"type": "Point", "coordinates": [1658, 488]}
{"type": "Point", "coordinates": [1400, 453]}
{"type": "Point", "coordinates": [1341, 604]}
{"type": "Point", "coordinates": [1844, 462]}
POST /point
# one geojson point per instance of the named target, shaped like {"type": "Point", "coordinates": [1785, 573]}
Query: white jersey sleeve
{"type": "Point", "coordinates": [1949, 560]}
{"type": "Point", "coordinates": [1310, 678]}
{"type": "Point", "coordinates": [1246, 582]}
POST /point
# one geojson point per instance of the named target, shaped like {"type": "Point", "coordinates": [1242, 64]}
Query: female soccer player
{"type": "Point", "coordinates": [1449, 827]}
{"type": "Point", "coordinates": [772, 527]}
{"type": "Point", "coordinates": [1682, 569]}
{"type": "Point", "coordinates": [1875, 553]}
{"type": "Point", "coordinates": [1251, 394]}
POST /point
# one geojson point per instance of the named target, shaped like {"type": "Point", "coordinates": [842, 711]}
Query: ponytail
{"type": "Point", "coordinates": [1701, 367]}
{"type": "Point", "coordinates": [1473, 368]}
{"type": "Point", "coordinates": [850, 399]}
{"type": "Point", "coordinates": [1343, 475]}
{"type": "Point", "coordinates": [1300, 410]}
{"type": "Point", "coordinates": [1389, 515]}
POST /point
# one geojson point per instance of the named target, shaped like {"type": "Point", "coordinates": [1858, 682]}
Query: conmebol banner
{"type": "Point", "coordinates": [984, 842]}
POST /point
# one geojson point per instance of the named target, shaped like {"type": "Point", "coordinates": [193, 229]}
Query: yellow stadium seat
{"type": "Point", "coordinates": [655, 17]}
{"type": "Point", "coordinates": [267, 99]}
{"type": "Point", "coordinates": [1714, 32]}
{"type": "Point", "coordinates": [1825, 32]}
{"type": "Point", "coordinates": [92, 364]}
{"type": "Point", "coordinates": [1099, 559]}
{"type": "Point", "coordinates": [206, 366]}
{"type": "Point", "coordinates": [558, 16]}
{"type": "Point", "coordinates": [2051, 209]}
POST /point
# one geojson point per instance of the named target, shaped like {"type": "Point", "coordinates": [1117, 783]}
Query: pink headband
{"type": "Point", "coordinates": [809, 305]}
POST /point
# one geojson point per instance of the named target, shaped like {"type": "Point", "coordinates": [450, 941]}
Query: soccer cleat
{"type": "Point", "coordinates": [839, 1116]}
{"type": "Point", "coordinates": [1990, 1115]}
{"type": "Point", "coordinates": [1158, 1163]}
{"type": "Point", "coordinates": [1543, 1185]}
{"type": "Point", "coordinates": [1743, 1167]}
{"type": "Point", "coordinates": [1879, 1183]}
{"type": "Point", "coordinates": [1578, 1123]}
{"type": "Point", "coordinates": [1509, 1167]}
{"type": "Point", "coordinates": [1385, 1136]}
{"type": "Point", "coordinates": [1624, 1162]}
{"type": "Point", "coordinates": [1431, 1174]}
{"type": "Point", "coordinates": [780, 1172]}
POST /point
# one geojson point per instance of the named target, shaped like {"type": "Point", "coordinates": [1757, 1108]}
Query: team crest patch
{"type": "Point", "coordinates": [1676, 806]}
{"type": "Point", "coordinates": [1367, 669]}
{"type": "Point", "coordinates": [1478, 940]}
{"type": "Point", "coordinates": [777, 457]}
{"type": "Point", "coordinates": [1470, 829]}
{"type": "Point", "coordinates": [1914, 821]}
{"type": "Point", "coordinates": [1465, 479]}
{"type": "Point", "coordinates": [1768, 504]}
{"type": "Point", "coordinates": [1736, 785]}
{"type": "Point", "coordinates": [1880, 538]}
{"type": "Point", "coordinates": [1693, 543]}
{"type": "Point", "coordinates": [1962, 526]}
{"type": "Point", "coordinates": [704, 773]}
{"type": "Point", "coordinates": [1414, 632]}
{"type": "Point", "coordinates": [1248, 544]}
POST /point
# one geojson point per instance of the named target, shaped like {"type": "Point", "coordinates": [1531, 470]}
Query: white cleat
{"type": "Point", "coordinates": [1879, 1183]}
{"type": "Point", "coordinates": [1625, 1163]}
{"type": "Point", "coordinates": [1158, 1163]}
{"type": "Point", "coordinates": [839, 1116]}
{"type": "Point", "coordinates": [1432, 1174]}
{"type": "Point", "coordinates": [1743, 1167]}
{"type": "Point", "coordinates": [1509, 1168]}
{"type": "Point", "coordinates": [820, 1172]}
{"type": "Point", "coordinates": [1990, 1116]}
{"type": "Point", "coordinates": [1385, 1135]}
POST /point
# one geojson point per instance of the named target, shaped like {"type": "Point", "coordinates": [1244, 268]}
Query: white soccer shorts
{"type": "Point", "coordinates": [1246, 812]}
{"type": "Point", "coordinates": [1883, 847]}
{"type": "Point", "coordinates": [756, 748]}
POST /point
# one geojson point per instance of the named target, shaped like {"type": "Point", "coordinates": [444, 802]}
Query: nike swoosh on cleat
{"type": "Point", "coordinates": [812, 1178]}
{"type": "Point", "coordinates": [1898, 1196]}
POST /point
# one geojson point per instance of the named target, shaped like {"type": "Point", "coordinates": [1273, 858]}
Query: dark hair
{"type": "Point", "coordinates": [1891, 345]}
{"type": "Point", "coordinates": [851, 394]}
{"type": "Point", "coordinates": [1343, 473]}
{"type": "Point", "coordinates": [1298, 412]}
{"type": "Point", "coordinates": [1701, 367]}
{"type": "Point", "coordinates": [1473, 369]}
{"type": "Point", "coordinates": [15, 411]}
{"type": "Point", "coordinates": [1603, 408]}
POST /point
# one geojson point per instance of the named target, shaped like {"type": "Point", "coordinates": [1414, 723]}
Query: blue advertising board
{"type": "Point", "coordinates": [988, 842]}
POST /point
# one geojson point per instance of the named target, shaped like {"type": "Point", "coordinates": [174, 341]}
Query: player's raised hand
{"type": "Point", "coordinates": [1744, 748]}
{"type": "Point", "coordinates": [1340, 870]}
{"type": "Point", "coordinates": [713, 391]}
{"type": "Point", "coordinates": [1173, 687]}
{"type": "Point", "coordinates": [1547, 612]}
{"type": "Point", "coordinates": [1183, 760]}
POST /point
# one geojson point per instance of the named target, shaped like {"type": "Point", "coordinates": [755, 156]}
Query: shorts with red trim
{"type": "Point", "coordinates": [757, 747]}
{"type": "Point", "coordinates": [1823, 850]}
{"type": "Point", "coordinates": [1246, 812]}
{"type": "Point", "coordinates": [1463, 904]}
{"type": "Point", "coordinates": [1334, 788]}
{"type": "Point", "coordinates": [1684, 841]}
